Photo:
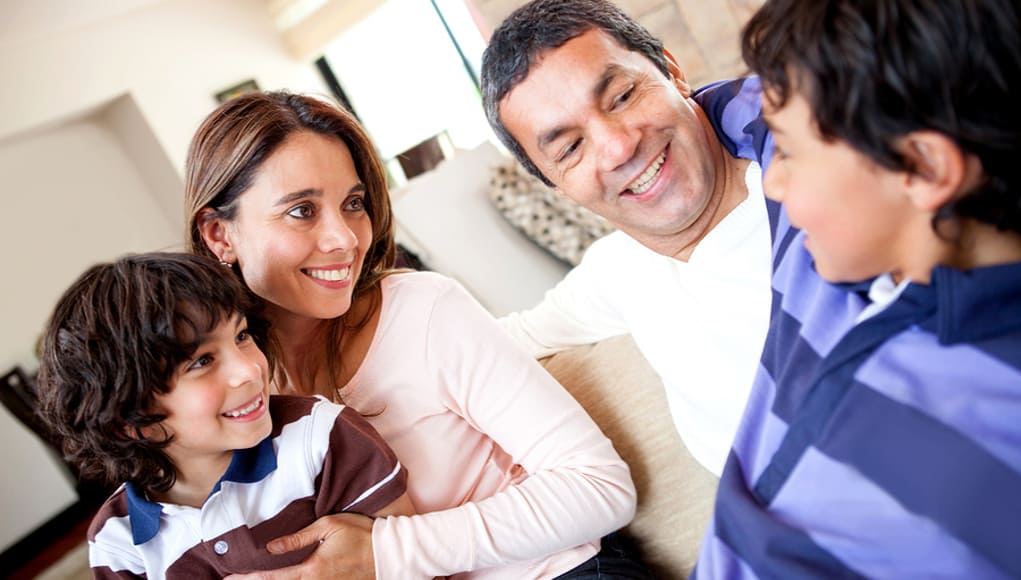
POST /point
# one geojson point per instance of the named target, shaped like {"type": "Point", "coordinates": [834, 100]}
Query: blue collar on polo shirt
{"type": "Point", "coordinates": [246, 466]}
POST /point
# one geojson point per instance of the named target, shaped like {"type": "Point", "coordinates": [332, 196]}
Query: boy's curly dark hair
{"type": "Point", "coordinates": [873, 71]}
{"type": "Point", "coordinates": [112, 345]}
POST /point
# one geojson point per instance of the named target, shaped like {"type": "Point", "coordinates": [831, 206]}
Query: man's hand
{"type": "Point", "coordinates": [345, 551]}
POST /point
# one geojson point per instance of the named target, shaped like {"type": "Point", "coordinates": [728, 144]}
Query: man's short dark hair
{"type": "Point", "coordinates": [112, 345]}
{"type": "Point", "coordinates": [542, 25]}
{"type": "Point", "coordinates": [874, 71]}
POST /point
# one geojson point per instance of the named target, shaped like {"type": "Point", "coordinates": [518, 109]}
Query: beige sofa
{"type": "Point", "coordinates": [615, 384]}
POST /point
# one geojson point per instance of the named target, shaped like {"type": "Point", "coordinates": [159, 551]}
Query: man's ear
{"type": "Point", "coordinates": [676, 74]}
{"type": "Point", "coordinates": [214, 233]}
{"type": "Point", "coordinates": [939, 170]}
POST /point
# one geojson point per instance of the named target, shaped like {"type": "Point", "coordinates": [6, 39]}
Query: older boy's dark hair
{"type": "Point", "coordinates": [112, 345]}
{"type": "Point", "coordinates": [873, 71]}
{"type": "Point", "coordinates": [541, 25]}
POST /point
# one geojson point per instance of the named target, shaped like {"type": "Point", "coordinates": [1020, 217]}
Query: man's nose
{"type": "Point", "coordinates": [616, 142]}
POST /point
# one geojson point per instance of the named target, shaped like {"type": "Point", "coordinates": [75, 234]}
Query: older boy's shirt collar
{"type": "Point", "coordinates": [246, 466]}
{"type": "Point", "coordinates": [971, 304]}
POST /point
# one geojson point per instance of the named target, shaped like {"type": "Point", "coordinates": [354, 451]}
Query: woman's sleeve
{"type": "Point", "coordinates": [577, 490]}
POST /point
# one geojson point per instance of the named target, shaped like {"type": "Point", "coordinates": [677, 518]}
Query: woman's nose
{"type": "Point", "coordinates": [335, 234]}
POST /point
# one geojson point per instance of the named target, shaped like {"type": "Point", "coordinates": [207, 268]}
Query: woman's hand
{"type": "Point", "coordinates": [345, 550]}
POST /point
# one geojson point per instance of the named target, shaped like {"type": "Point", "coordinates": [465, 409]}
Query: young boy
{"type": "Point", "coordinates": [153, 375]}
{"type": "Point", "coordinates": [883, 434]}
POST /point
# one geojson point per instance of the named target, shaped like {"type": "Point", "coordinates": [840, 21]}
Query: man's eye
{"type": "Point", "coordinates": [301, 212]}
{"type": "Point", "coordinates": [625, 96]}
{"type": "Point", "coordinates": [569, 150]}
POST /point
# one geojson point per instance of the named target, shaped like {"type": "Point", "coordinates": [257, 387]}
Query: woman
{"type": "Point", "coordinates": [513, 478]}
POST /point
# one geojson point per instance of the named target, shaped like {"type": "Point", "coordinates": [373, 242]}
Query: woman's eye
{"type": "Point", "coordinates": [355, 204]}
{"type": "Point", "coordinates": [243, 336]}
{"type": "Point", "coordinates": [301, 212]}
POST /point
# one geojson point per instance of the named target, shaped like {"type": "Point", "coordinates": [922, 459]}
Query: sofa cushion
{"type": "Point", "coordinates": [562, 227]}
{"type": "Point", "coordinates": [614, 383]}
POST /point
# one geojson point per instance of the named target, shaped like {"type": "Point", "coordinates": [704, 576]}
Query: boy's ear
{"type": "Point", "coordinates": [940, 170]}
{"type": "Point", "coordinates": [676, 74]}
{"type": "Point", "coordinates": [214, 233]}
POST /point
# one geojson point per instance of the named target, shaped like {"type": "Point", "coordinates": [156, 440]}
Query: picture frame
{"type": "Point", "coordinates": [246, 86]}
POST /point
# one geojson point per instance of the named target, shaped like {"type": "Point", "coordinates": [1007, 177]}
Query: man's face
{"type": "Point", "coordinates": [617, 137]}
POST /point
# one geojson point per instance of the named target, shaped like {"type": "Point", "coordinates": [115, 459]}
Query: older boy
{"type": "Point", "coordinates": [152, 376]}
{"type": "Point", "coordinates": [881, 436]}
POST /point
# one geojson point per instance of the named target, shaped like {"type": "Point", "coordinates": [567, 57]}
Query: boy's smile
{"type": "Point", "coordinates": [218, 401]}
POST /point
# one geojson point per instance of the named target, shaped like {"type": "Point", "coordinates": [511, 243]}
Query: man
{"type": "Point", "coordinates": [591, 103]}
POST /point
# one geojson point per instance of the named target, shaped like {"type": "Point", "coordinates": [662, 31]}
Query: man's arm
{"type": "Point", "coordinates": [580, 309]}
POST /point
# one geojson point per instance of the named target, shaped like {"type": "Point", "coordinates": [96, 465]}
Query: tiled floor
{"type": "Point", "coordinates": [73, 566]}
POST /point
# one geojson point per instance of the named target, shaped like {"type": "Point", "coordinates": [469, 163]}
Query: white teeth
{"type": "Point", "coordinates": [242, 412]}
{"type": "Point", "coordinates": [646, 179]}
{"type": "Point", "coordinates": [330, 275]}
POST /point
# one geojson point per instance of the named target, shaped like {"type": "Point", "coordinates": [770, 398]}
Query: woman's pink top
{"type": "Point", "coordinates": [511, 476]}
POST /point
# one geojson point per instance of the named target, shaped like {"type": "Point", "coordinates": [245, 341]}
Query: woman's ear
{"type": "Point", "coordinates": [214, 233]}
{"type": "Point", "coordinates": [939, 170]}
{"type": "Point", "coordinates": [676, 74]}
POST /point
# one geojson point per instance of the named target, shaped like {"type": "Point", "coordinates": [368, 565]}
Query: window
{"type": "Point", "coordinates": [409, 71]}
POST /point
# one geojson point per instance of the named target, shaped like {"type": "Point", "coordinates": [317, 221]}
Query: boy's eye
{"type": "Point", "coordinates": [200, 362]}
{"type": "Point", "coordinates": [301, 212]}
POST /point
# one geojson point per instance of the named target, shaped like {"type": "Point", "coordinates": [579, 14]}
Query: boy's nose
{"type": "Point", "coordinates": [244, 369]}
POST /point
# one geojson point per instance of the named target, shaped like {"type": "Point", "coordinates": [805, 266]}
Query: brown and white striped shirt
{"type": "Point", "coordinates": [321, 458]}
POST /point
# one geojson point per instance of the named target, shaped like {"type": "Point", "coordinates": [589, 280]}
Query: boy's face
{"type": "Point", "coordinates": [854, 212]}
{"type": "Point", "coordinates": [218, 401]}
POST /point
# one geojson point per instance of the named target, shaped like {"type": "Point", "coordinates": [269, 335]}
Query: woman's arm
{"type": "Point", "coordinates": [578, 488]}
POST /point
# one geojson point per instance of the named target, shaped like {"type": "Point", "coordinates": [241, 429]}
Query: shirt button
{"type": "Point", "coordinates": [221, 547]}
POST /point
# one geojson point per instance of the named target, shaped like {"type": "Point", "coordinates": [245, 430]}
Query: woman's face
{"type": "Point", "coordinates": [302, 230]}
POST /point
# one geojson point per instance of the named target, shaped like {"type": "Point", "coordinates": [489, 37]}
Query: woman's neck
{"type": "Point", "coordinates": [305, 342]}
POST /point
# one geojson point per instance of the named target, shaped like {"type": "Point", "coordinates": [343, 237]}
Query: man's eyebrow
{"type": "Point", "coordinates": [598, 90]}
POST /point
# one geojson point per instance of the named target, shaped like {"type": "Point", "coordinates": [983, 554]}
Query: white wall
{"type": "Point", "coordinates": [172, 56]}
{"type": "Point", "coordinates": [95, 121]}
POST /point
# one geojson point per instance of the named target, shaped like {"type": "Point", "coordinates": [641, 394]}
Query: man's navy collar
{"type": "Point", "coordinates": [246, 466]}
